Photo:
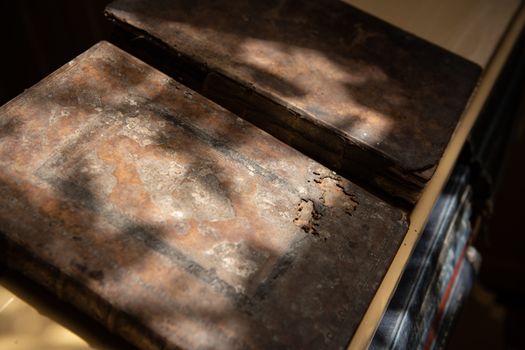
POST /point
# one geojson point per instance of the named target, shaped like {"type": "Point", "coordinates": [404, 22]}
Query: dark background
{"type": "Point", "coordinates": [40, 36]}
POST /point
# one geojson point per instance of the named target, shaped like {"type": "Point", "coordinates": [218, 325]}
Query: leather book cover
{"type": "Point", "coordinates": [355, 93]}
{"type": "Point", "coordinates": [177, 224]}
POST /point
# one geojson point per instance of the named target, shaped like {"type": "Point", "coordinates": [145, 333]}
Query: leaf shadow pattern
{"type": "Point", "coordinates": [169, 218]}
{"type": "Point", "coordinates": [97, 243]}
{"type": "Point", "coordinates": [321, 59]}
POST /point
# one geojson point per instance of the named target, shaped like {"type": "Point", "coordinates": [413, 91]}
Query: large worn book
{"type": "Point", "coordinates": [351, 91]}
{"type": "Point", "coordinates": [177, 224]}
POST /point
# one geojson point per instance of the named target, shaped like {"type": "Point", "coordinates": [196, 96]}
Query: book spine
{"type": "Point", "coordinates": [16, 258]}
{"type": "Point", "coordinates": [423, 263]}
{"type": "Point", "coordinates": [451, 252]}
{"type": "Point", "coordinates": [458, 295]}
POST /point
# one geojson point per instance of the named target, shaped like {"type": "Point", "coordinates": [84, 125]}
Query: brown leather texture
{"type": "Point", "coordinates": [354, 92]}
{"type": "Point", "coordinates": [177, 224]}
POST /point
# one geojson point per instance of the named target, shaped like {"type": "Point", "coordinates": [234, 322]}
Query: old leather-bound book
{"type": "Point", "coordinates": [353, 92]}
{"type": "Point", "coordinates": [176, 223]}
